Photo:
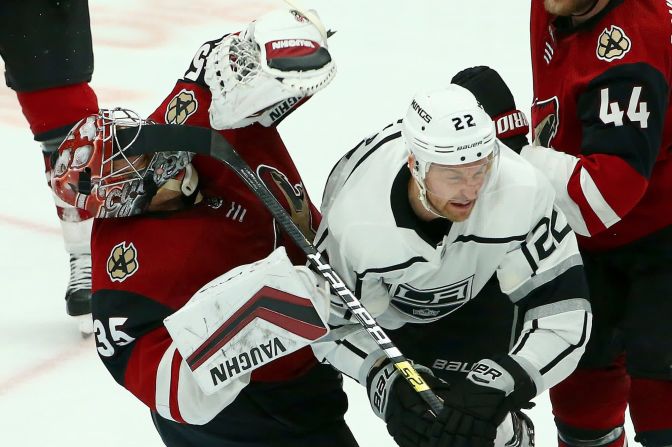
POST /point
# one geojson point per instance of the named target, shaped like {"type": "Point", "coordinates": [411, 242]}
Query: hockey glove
{"type": "Point", "coordinates": [475, 406]}
{"type": "Point", "coordinates": [264, 73]}
{"type": "Point", "coordinates": [494, 95]}
{"type": "Point", "coordinates": [406, 414]}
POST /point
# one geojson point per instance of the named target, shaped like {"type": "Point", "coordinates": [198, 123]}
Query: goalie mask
{"type": "Point", "coordinates": [93, 172]}
{"type": "Point", "coordinates": [454, 149]}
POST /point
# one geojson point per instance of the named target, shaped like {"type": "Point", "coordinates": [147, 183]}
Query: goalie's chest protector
{"type": "Point", "coordinates": [425, 280]}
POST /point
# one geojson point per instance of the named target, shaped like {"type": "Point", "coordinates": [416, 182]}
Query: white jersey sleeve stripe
{"type": "Point", "coordinates": [596, 201]}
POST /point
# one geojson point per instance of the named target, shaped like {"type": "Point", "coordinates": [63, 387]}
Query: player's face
{"type": "Point", "coordinates": [453, 190]}
{"type": "Point", "coordinates": [129, 167]}
{"type": "Point", "coordinates": [121, 169]}
{"type": "Point", "coordinates": [567, 7]}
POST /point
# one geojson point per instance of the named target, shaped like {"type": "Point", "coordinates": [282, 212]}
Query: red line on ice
{"type": "Point", "coordinates": [29, 225]}
{"type": "Point", "coordinates": [44, 367]}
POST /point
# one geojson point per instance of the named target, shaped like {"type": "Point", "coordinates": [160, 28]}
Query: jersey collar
{"type": "Point", "coordinates": [564, 26]}
{"type": "Point", "coordinates": [431, 232]}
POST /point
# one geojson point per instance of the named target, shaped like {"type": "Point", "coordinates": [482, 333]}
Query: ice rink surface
{"type": "Point", "coordinates": [53, 389]}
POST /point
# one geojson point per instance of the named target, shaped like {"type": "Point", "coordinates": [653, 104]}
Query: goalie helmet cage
{"type": "Point", "coordinates": [205, 141]}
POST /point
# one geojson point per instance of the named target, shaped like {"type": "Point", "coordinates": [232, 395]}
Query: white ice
{"type": "Point", "coordinates": [53, 389]}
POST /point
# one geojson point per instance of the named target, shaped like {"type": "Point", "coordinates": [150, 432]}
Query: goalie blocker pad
{"type": "Point", "coordinates": [247, 318]}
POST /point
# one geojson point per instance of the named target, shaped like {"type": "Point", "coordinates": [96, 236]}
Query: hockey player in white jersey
{"type": "Point", "coordinates": [422, 218]}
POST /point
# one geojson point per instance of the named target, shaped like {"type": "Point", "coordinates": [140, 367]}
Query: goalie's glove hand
{"type": "Point", "coordinates": [264, 73]}
{"type": "Point", "coordinates": [494, 95]}
{"type": "Point", "coordinates": [406, 414]}
{"type": "Point", "coordinates": [476, 405]}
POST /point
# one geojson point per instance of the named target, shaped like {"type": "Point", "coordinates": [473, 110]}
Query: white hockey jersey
{"type": "Point", "coordinates": [373, 240]}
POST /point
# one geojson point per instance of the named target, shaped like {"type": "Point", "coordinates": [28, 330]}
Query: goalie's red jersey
{"type": "Point", "coordinates": [602, 95]}
{"type": "Point", "coordinates": [147, 267]}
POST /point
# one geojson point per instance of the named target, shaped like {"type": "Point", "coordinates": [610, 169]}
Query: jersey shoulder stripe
{"type": "Point", "coordinates": [370, 151]}
{"type": "Point", "coordinates": [356, 156]}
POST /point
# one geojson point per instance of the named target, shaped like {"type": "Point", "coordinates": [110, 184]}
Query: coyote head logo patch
{"type": "Point", "coordinates": [545, 121]}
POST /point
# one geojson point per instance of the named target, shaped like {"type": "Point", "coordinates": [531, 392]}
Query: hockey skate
{"type": "Point", "coordinates": [523, 430]}
{"type": "Point", "coordinates": [78, 294]}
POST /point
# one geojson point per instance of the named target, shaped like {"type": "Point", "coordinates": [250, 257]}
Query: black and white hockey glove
{"type": "Point", "coordinates": [495, 96]}
{"type": "Point", "coordinates": [262, 74]}
{"type": "Point", "coordinates": [406, 414]}
{"type": "Point", "coordinates": [475, 406]}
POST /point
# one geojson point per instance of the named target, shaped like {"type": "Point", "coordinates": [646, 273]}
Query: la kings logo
{"type": "Point", "coordinates": [122, 262]}
{"type": "Point", "coordinates": [612, 44]}
{"type": "Point", "coordinates": [430, 304]}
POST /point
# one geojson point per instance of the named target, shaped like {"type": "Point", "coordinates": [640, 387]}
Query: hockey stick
{"type": "Point", "coordinates": [201, 140]}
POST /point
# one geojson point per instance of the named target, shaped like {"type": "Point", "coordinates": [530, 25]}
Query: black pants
{"type": "Point", "coordinates": [45, 43]}
{"type": "Point", "coordinates": [307, 411]}
{"type": "Point", "coordinates": [631, 297]}
{"type": "Point", "coordinates": [482, 328]}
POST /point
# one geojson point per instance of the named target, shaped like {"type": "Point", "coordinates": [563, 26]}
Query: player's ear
{"type": "Point", "coordinates": [411, 162]}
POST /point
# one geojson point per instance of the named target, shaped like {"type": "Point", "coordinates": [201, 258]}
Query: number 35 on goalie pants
{"type": "Point", "coordinates": [248, 317]}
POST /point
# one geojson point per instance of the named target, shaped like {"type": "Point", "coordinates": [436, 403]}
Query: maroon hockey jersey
{"type": "Point", "coordinates": [147, 267]}
{"type": "Point", "coordinates": [601, 100]}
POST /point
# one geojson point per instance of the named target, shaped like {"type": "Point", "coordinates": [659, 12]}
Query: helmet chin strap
{"type": "Point", "coordinates": [422, 196]}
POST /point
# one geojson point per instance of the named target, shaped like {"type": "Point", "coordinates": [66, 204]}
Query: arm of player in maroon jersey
{"type": "Point", "coordinates": [189, 101]}
{"type": "Point", "coordinates": [139, 353]}
{"type": "Point", "coordinates": [622, 113]}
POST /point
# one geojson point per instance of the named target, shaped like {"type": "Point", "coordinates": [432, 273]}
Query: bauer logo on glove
{"type": "Point", "coordinates": [266, 72]}
{"type": "Point", "coordinates": [247, 318]}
